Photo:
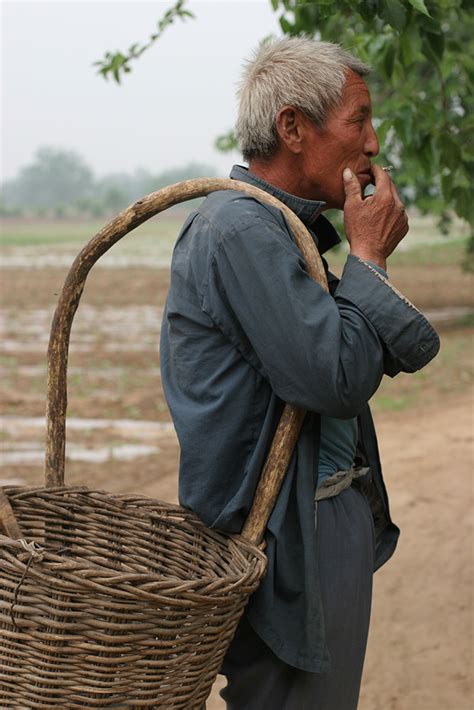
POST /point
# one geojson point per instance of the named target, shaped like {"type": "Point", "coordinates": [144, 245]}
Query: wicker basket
{"type": "Point", "coordinates": [123, 601]}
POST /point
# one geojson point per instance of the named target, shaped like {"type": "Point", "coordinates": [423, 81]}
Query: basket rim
{"type": "Point", "coordinates": [146, 586]}
{"type": "Point", "coordinates": [142, 506]}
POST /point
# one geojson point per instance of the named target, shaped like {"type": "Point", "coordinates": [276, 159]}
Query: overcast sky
{"type": "Point", "coordinates": [179, 96]}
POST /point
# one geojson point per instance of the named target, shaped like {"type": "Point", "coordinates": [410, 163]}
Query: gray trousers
{"type": "Point", "coordinates": [258, 680]}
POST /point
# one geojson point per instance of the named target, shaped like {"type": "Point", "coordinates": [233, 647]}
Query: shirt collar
{"type": "Point", "coordinates": [309, 211]}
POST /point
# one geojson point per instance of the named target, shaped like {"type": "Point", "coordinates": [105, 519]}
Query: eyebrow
{"type": "Point", "coordinates": [363, 110]}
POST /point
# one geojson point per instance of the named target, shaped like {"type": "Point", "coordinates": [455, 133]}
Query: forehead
{"type": "Point", "coordinates": [355, 94]}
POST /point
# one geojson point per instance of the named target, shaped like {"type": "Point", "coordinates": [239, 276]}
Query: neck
{"type": "Point", "coordinates": [276, 174]}
{"type": "Point", "coordinates": [285, 175]}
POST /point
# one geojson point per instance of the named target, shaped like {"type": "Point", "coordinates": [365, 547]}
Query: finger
{"type": "Point", "coordinates": [382, 181]}
{"type": "Point", "coordinates": [352, 186]}
{"type": "Point", "coordinates": [396, 196]}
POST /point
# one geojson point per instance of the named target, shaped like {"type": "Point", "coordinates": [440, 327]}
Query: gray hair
{"type": "Point", "coordinates": [294, 71]}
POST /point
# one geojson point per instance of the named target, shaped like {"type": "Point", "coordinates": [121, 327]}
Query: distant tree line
{"type": "Point", "coordinates": [58, 183]}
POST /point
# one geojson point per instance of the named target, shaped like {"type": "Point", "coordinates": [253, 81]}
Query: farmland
{"type": "Point", "coordinates": [120, 436]}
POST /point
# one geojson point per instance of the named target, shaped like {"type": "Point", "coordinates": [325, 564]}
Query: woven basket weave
{"type": "Point", "coordinates": [121, 601]}
{"type": "Point", "coordinates": [135, 608]}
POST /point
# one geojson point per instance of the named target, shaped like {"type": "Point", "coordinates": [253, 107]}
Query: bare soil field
{"type": "Point", "coordinates": [120, 438]}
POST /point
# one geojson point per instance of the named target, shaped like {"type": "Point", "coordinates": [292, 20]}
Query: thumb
{"type": "Point", "coordinates": [352, 186]}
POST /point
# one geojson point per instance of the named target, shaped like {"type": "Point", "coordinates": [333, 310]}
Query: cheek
{"type": "Point", "coordinates": [352, 148]}
{"type": "Point", "coordinates": [341, 152]}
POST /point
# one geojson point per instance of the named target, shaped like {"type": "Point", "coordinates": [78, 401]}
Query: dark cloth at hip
{"type": "Point", "coordinates": [259, 680]}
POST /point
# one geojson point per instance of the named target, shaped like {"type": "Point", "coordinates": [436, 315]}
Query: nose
{"type": "Point", "coordinates": [371, 146]}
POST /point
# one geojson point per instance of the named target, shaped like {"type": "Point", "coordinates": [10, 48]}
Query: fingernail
{"type": "Point", "coordinates": [347, 174]}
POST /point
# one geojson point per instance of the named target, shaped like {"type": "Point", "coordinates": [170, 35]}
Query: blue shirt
{"type": "Point", "coordinates": [245, 329]}
{"type": "Point", "coordinates": [338, 443]}
{"type": "Point", "coordinates": [338, 437]}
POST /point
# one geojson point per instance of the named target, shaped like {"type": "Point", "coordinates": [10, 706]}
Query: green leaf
{"type": "Point", "coordinates": [389, 60]}
{"type": "Point", "coordinates": [285, 26]}
{"type": "Point", "coordinates": [461, 178]}
{"type": "Point", "coordinates": [464, 203]}
{"type": "Point", "coordinates": [382, 131]}
{"type": "Point", "coordinates": [450, 152]}
{"type": "Point", "coordinates": [420, 6]}
{"type": "Point", "coordinates": [410, 44]}
{"type": "Point", "coordinates": [436, 42]}
{"type": "Point", "coordinates": [447, 186]}
{"type": "Point", "coordinates": [427, 50]}
{"type": "Point", "coordinates": [275, 4]}
{"type": "Point", "coordinates": [368, 8]}
{"type": "Point", "coordinates": [226, 142]}
{"type": "Point", "coordinates": [425, 155]}
{"type": "Point", "coordinates": [394, 13]}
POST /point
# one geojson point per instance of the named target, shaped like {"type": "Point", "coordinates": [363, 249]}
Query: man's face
{"type": "Point", "coordinates": [346, 140]}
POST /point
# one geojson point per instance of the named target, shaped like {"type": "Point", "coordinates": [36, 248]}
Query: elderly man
{"type": "Point", "coordinates": [246, 329]}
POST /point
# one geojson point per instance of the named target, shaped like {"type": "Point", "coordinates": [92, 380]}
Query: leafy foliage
{"type": "Point", "coordinates": [422, 53]}
{"type": "Point", "coordinates": [226, 142]}
{"type": "Point", "coordinates": [117, 64]}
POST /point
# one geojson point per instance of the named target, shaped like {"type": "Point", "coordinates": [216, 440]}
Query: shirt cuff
{"type": "Point", "coordinates": [406, 333]}
{"type": "Point", "coordinates": [377, 268]}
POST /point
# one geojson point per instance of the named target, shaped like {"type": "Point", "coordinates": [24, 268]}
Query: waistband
{"type": "Point", "coordinates": [338, 482]}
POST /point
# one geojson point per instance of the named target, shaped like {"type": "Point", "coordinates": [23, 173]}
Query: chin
{"type": "Point", "coordinates": [335, 204]}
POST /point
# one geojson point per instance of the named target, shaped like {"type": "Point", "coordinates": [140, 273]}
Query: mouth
{"type": "Point", "coordinates": [366, 176]}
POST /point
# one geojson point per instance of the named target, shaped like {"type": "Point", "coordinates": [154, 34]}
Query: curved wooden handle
{"type": "Point", "coordinates": [8, 521]}
{"type": "Point", "coordinates": [150, 205]}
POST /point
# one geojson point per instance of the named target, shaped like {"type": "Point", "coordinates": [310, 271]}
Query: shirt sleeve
{"type": "Point", "coordinates": [377, 268]}
{"type": "Point", "coordinates": [409, 339]}
{"type": "Point", "coordinates": [321, 353]}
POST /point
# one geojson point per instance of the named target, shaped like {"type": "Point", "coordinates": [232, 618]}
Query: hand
{"type": "Point", "coordinates": [374, 226]}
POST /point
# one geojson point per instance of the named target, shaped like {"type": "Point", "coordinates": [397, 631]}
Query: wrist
{"type": "Point", "coordinates": [370, 256]}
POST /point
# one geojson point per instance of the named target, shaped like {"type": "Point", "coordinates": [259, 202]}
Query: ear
{"type": "Point", "coordinates": [290, 128]}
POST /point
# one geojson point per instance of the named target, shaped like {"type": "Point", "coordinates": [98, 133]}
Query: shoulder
{"type": "Point", "coordinates": [231, 227]}
{"type": "Point", "coordinates": [231, 211]}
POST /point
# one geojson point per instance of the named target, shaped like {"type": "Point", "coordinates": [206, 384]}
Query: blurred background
{"type": "Point", "coordinates": [103, 102]}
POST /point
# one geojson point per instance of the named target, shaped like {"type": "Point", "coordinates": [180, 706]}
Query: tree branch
{"type": "Point", "coordinates": [117, 63]}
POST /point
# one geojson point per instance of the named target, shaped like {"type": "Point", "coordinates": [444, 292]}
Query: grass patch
{"type": "Point", "coordinates": [446, 251]}
{"type": "Point", "coordinates": [157, 236]}
{"type": "Point", "coordinates": [459, 323]}
{"type": "Point", "coordinates": [44, 234]}
{"type": "Point", "coordinates": [149, 237]}
{"type": "Point", "coordinates": [450, 372]}
{"type": "Point", "coordinates": [150, 242]}
{"type": "Point", "coordinates": [393, 403]}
